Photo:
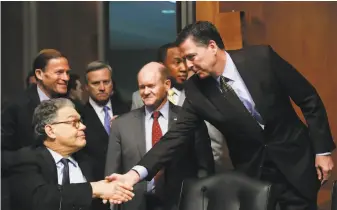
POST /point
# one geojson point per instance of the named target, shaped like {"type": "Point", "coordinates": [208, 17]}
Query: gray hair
{"type": "Point", "coordinates": [44, 114]}
{"type": "Point", "coordinates": [97, 65]}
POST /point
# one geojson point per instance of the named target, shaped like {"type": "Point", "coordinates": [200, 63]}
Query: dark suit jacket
{"type": "Point", "coordinates": [285, 140]}
{"type": "Point", "coordinates": [96, 136]}
{"type": "Point", "coordinates": [34, 182]}
{"type": "Point", "coordinates": [127, 146]}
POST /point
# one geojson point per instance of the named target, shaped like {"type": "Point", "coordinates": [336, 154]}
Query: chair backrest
{"type": "Point", "coordinates": [228, 191]}
{"type": "Point", "coordinates": [334, 196]}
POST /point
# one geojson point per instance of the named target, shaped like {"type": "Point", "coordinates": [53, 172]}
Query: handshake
{"type": "Point", "coordinates": [115, 188]}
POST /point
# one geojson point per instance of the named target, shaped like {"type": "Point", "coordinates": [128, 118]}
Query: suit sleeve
{"type": "Point", "coordinates": [113, 163]}
{"type": "Point", "coordinates": [172, 142]}
{"type": "Point", "coordinates": [29, 187]}
{"type": "Point", "coordinates": [203, 152]}
{"type": "Point", "coordinates": [306, 97]}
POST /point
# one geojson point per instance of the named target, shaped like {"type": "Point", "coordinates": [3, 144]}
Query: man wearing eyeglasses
{"type": "Point", "coordinates": [51, 69]}
{"type": "Point", "coordinates": [55, 174]}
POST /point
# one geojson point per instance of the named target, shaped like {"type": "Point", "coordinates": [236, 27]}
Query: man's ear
{"type": "Point", "coordinates": [213, 46]}
{"type": "Point", "coordinates": [49, 131]}
{"type": "Point", "coordinates": [38, 73]}
{"type": "Point", "coordinates": [168, 84]}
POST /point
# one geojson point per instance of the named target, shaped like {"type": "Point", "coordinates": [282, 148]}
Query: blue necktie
{"type": "Point", "coordinates": [107, 119]}
{"type": "Point", "coordinates": [249, 106]}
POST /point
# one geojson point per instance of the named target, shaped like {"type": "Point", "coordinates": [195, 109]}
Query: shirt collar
{"type": "Point", "coordinates": [230, 71]}
{"type": "Point", "coordinates": [57, 157]}
{"type": "Point", "coordinates": [176, 91]}
{"type": "Point", "coordinates": [42, 95]}
{"type": "Point", "coordinates": [97, 107]}
{"type": "Point", "coordinates": [164, 110]}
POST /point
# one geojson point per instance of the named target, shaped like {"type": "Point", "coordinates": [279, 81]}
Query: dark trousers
{"type": "Point", "coordinates": [287, 196]}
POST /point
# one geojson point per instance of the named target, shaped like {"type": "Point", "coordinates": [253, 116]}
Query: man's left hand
{"type": "Point", "coordinates": [324, 165]}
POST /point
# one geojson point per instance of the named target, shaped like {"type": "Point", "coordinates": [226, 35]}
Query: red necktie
{"type": "Point", "coordinates": [156, 135]}
{"type": "Point", "coordinates": [156, 130]}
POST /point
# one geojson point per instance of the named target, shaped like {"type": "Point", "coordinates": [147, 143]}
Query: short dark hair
{"type": "Point", "coordinates": [96, 65]}
{"type": "Point", "coordinates": [72, 85]}
{"type": "Point", "coordinates": [44, 114]}
{"type": "Point", "coordinates": [201, 32]}
{"type": "Point", "coordinates": [43, 57]}
{"type": "Point", "coordinates": [162, 51]}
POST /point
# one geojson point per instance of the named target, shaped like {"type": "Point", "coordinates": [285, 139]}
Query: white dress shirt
{"type": "Point", "coordinates": [42, 95]}
{"type": "Point", "coordinates": [99, 110]}
{"type": "Point", "coordinates": [163, 123]}
{"type": "Point", "coordinates": [75, 172]}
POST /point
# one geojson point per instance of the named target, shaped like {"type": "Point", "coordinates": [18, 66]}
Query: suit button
{"type": "Point", "coordinates": [265, 145]}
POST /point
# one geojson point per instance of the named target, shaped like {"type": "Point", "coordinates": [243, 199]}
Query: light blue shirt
{"type": "Point", "coordinates": [236, 82]}
{"type": "Point", "coordinates": [238, 86]}
{"type": "Point", "coordinates": [163, 123]}
{"type": "Point", "coordinates": [42, 95]}
{"type": "Point", "coordinates": [75, 173]}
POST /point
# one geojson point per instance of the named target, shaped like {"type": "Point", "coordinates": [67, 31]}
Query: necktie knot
{"type": "Point", "coordinates": [66, 179]}
{"type": "Point", "coordinates": [106, 108]}
{"type": "Point", "coordinates": [155, 114]}
{"type": "Point", "coordinates": [64, 161]}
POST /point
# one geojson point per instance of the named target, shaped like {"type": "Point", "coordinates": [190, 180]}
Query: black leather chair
{"type": "Point", "coordinates": [228, 191]}
{"type": "Point", "coordinates": [334, 196]}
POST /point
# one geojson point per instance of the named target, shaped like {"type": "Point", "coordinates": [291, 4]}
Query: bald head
{"type": "Point", "coordinates": [153, 85]}
{"type": "Point", "coordinates": [155, 67]}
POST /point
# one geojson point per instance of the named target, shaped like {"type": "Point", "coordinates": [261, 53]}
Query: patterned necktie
{"type": "Point", "coordinates": [107, 119]}
{"type": "Point", "coordinates": [65, 179]}
{"type": "Point", "coordinates": [249, 106]}
{"type": "Point", "coordinates": [156, 130]}
{"type": "Point", "coordinates": [156, 135]}
{"type": "Point", "coordinates": [170, 96]}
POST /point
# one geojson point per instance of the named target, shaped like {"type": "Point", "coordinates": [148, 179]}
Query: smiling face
{"type": "Point", "coordinates": [153, 87]}
{"type": "Point", "coordinates": [55, 76]}
{"type": "Point", "coordinates": [199, 58]}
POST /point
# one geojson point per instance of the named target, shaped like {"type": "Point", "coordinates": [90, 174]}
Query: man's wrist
{"type": "Point", "coordinates": [95, 189]}
{"type": "Point", "coordinates": [135, 177]}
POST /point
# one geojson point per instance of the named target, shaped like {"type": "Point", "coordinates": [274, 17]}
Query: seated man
{"type": "Point", "coordinates": [54, 174]}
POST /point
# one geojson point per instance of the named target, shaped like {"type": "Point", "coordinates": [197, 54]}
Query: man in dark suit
{"type": "Point", "coordinates": [51, 69]}
{"type": "Point", "coordinates": [54, 174]}
{"type": "Point", "coordinates": [127, 147]}
{"type": "Point", "coordinates": [99, 111]}
{"type": "Point", "coordinates": [246, 95]}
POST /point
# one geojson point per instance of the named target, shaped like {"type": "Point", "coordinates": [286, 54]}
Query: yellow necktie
{"type": "Point", "coordinates": [170, 97]}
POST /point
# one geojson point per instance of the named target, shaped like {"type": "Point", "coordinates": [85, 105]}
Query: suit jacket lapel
{"type": "Point", "coordinates": [138, 125]}
{"type": "Point", "coordinates": [48, 163]}
{"type": "Point", "coordinates": [96, 121]}
{"type": "Point", "coordinates": [250, 80]}
{"type": "Point", "coordinates": [172, 115]}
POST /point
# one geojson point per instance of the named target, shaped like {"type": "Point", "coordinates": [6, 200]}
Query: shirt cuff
{"type": "Point", "coordinates": [322, 154]}
{"type": "Point", "coordinates": [141, 170]}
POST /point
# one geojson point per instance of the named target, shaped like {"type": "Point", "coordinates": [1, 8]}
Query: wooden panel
{"type": "Point", "coordinates": [229, 26]}
{"type": "Point", "coordinates": [70, 27]}
{"type": "Point", "coordinates": [304, 34]}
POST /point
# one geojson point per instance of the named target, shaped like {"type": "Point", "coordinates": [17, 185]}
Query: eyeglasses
{"type": "Point", "coordinates": [76, 122]}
